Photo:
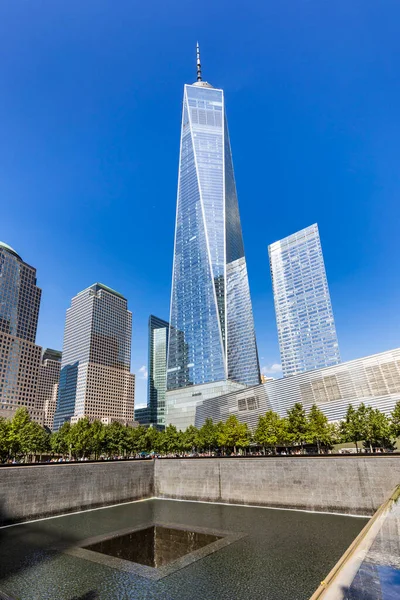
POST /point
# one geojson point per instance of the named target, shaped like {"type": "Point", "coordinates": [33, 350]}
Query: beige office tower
{"type": "Point", "coordinates": [47, 390]}
{"type": "Point", "coordinates": [95, 378]}
{"type": "Point", "coordinates": [19, 355]}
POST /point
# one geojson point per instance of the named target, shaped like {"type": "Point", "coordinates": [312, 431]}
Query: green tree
{"type": "Point", "coordinates": [207, 436]}
{"type": "Point", "coordinates": [220, 436]}
{"type": "Point", "coordinates": [365, 420]}
{"type": "Point", "coordinates": [234, 434]}
{"type": "Point", "coordinates": [269, 432]}
{"type": "Point", "coordinates": [33, 439]}
{"type": "Point", "coordinates": [116, 439]}
{"type": "Point", "coordinates": [395, 421]}
{"type": "Point", "coordinates": [352, 426]}
{"type": "Point", "coordinates": [19, 422]}
{"type": "Point", "coordinates": [59, 440]}
{"type": "Point", "coordinates": [190, 438]}
{"type": "Point", "coordinates": [297, 424]}
{"type": "Point", "coordinates": [154, 440]}
{"type": "Point", "coordinates": [137, 441]}
{"type": "Point", "coordinates": [98, 434]}
{"type": "Point", "coordinates": [379, 428]}
{"type": "Point", "coordinates": [4, 438]}
{"type": "Point", "coordinates": [336, 432]}
{"type": "Point", "coordinates": [80, 438]}
{"type": "Point", "coordinates": [319, 431]}
{"type": "Point", "coordinates": [172, 441]}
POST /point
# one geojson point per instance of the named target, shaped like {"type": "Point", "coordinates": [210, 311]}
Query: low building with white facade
{"type": "Point", "coordinates": [374, 380]}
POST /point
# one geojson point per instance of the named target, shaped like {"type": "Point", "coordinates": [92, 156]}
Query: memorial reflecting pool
{"type": "Point", "coordinates": [173, 551]}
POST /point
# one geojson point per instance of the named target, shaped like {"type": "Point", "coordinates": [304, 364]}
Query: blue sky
{"type": "Point", "coordinates": [90, 107]}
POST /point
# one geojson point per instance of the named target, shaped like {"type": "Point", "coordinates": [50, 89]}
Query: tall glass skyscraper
{"type": "Point", "coordinates": [211, 336]}
{"type": "Point", "coordinates": [306, 328]}
{"type": "Point", "coordinates": [154, 413]}
{"type": "Point", "coordinates": [19, 295]}
{"type": "Point", "coordinates": [95, 378]}
{"type": "Point", "coordinates": [19, 355]}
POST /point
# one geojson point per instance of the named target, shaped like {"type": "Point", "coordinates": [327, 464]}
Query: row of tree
{"type": "Point", "coordinates": [365, 424]}
{"type": "Point", "coordinates": [22, 438]}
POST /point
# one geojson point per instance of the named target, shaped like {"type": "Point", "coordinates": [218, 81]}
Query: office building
{"type": "Point", "coordinates": [19, 355]}
{"type": "Point", "coordinates": [212, 334]}
{"type": "Point", "coordinates": [373, 380]}
{"type": "Point", "coordinates": [304, 317]}
{"type": "Point", "coordinates": [47, 390]}
{"type": "Point", "coordinates": [95, 378]}
{"type": "Point", "coordinates": [154, 413]}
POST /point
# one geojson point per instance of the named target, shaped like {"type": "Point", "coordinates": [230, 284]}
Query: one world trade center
{"type": "Point", "coordinates": [212, 337]}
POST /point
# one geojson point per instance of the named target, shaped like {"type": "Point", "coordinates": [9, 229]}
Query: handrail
{"type": "Point", "coordinates": [349, 553]}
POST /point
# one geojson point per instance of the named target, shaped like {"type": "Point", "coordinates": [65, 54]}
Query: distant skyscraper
{"type": "Point", "coordinates": [154, 413]}
{"type": "Point", "coordinates": [20, 296]}
{"type": "Point", "coordinates": [211, 335]}
{"type": "Point", "coordinates": [95, 378]}
{"type": "Point", "coordinates": [47, 390]}
{"type": "Point", "coordinates": [19, 312]}
{"type": "Point", "coordinates": [306, 328]}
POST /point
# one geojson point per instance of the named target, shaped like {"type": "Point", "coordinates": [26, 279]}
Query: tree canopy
{"type": "Point", "coordinates": [22, 438]}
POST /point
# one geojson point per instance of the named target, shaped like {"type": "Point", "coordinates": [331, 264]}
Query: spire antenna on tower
{"type": "Point", "coordinates": [199, 78]}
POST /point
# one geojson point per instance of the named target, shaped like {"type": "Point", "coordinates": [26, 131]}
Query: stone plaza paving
{"type": "Point", "coordinates": [259, 553]}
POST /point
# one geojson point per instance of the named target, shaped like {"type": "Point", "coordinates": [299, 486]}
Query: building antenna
{"type": "Point", "coordinates": [199, 78]}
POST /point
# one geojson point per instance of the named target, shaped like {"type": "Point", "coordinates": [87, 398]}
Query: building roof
{"type": "Point", "coordinates": [107, 289]}
{"type": "Point", "coordinates": [9, 249]}
{"type": "Point", "coordinates": [50, 354]}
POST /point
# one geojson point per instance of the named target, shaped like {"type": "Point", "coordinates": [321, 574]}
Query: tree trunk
{"type": "Point", "coordinates": [319, 447]}
{"type": "Point", "coordinates": [356, 447]}
{"type": "Point", "coordinates": [370, 448]}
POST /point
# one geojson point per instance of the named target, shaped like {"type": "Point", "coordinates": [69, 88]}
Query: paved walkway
{"type": "Point", "coordinates": [378, 577]}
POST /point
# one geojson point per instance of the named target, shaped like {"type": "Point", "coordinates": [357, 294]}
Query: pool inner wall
{"type": "Point", "coordinates": [350, 485]}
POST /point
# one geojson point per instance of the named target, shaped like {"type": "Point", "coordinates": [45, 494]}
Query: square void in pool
{"type": "Point", "coordinates": [154, 546]}
{"type": "Point", "coordinates": [153, 550]}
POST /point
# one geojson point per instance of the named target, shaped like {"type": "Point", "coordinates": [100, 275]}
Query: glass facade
{"type": "Point", "coordinates": [154, 413]}
{"type": "Point", "coordinates": [306, 328]}
{"type": "Point", "coordinates": [19, 313]}
{"type": "Point", "coordinates": [19, 296]}
{"type": "Point", "coordinates": [95, 378]}
{"type": "Point", "coordinates": [373, 380]}
{"type": "Point", "coordinates": [211, 336]}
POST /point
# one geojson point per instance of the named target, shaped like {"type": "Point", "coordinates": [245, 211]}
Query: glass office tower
{"type": "Point", "coordinates": [211, 336]}
{"type": "Point", "coordinates": [95, 378]}
{"type": "Point", "coordinates": [306, 328]}
{"type": "Point", "coordinates": [19, 355]}
{"type": "Point", "coordinates": [154, 413]}
{"type": "Point", "coordinates": [19, 296]}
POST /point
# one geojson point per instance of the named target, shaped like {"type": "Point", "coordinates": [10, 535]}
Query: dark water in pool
{"type": "Point", "coordinates": [154, 546]}
{"type": "Point", "coordinates": [282, 556]}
